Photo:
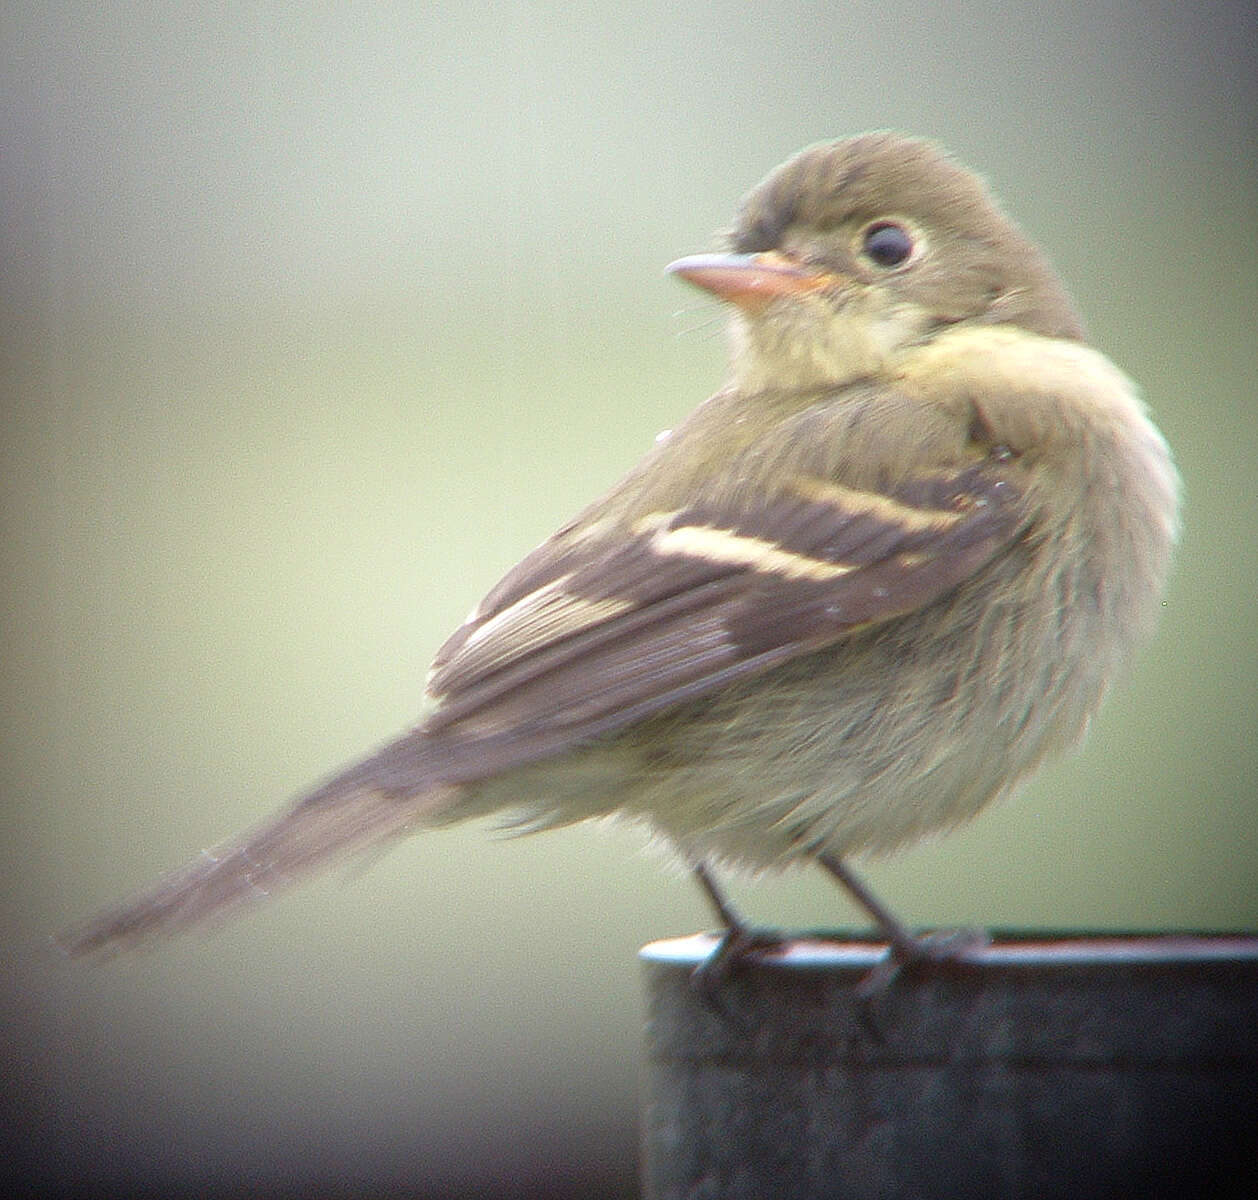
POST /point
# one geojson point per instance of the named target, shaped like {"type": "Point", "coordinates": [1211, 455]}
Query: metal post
{"type": "Point", "coordinates": [1070, 1066]}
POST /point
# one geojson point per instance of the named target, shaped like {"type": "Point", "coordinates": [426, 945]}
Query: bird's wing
{"type": "Point", "coordinates": [589, 634]}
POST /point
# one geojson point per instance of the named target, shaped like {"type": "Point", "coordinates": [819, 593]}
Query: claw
{"type": "Point", "coordinates": [917, 953]}
{"type": "Point", "coordinates": [737, 945]}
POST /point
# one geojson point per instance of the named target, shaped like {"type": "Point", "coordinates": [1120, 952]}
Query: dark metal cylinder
{"type": "Point", "coordinates": [1043, 1066]}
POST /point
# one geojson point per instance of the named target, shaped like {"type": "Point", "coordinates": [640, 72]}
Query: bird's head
{"type": "Point", "coordinates": [854, 251]}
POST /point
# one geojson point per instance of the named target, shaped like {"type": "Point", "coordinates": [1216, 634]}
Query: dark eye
{"type": "Point", "coordinates": [887, 244]}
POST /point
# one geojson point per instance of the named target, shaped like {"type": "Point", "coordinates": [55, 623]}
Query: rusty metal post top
{"type": "Point", "coordinates": [1059, 1065]}
{"type": "Point", "coordinates": [843, 951]}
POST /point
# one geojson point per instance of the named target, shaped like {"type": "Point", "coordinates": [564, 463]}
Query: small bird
{"type": "Point", "coordinates": [859, 593]}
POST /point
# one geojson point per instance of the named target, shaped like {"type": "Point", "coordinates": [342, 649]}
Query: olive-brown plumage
{"type": "Point", "coordinates": [856, 595]}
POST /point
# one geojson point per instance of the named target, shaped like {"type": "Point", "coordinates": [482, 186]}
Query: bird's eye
{"type": "Point", "coordinates": [887, 244]}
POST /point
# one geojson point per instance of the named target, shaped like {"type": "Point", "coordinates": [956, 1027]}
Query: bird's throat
{"type": "Point", "coordinates": [808, 347]}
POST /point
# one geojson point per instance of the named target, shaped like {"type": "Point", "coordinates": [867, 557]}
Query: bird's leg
{"type": "Point", "coordinates": [904, 945]}
{"type": "Point", "coordinates": [725, 911]}
{"type": "Point", "coordinates": [738, 942]}
{"type": "Point", "coordinates": [907, 948]}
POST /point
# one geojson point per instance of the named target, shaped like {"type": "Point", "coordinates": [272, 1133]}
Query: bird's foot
{"type": "Point", "coordinates": [738, 945]}
{"type": "Point", "coordinates": [921, 952]}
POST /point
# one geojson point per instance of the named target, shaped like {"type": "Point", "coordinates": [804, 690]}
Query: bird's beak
{"type": "Point", "coordinates": [750, 281]}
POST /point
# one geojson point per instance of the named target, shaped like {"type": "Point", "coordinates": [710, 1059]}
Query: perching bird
{"type": "Point", "coordinates": [856, 595]}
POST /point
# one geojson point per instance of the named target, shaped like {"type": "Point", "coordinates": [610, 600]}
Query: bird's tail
{"type": "Point", "coordinates": [350, 813]}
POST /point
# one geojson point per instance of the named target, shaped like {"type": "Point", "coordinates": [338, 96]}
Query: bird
{"type": "Point", "coordinates": [862, 591]}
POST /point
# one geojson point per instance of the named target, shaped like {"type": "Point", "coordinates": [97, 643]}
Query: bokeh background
{"type": "Point", "coordinates": [315, 317]}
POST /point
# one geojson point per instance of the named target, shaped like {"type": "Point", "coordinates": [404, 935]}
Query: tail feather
{"type": "Point", "coordinates": [347, 815]}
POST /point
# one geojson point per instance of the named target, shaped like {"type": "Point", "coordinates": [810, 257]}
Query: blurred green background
{"type": "Point", "coordinates": [315, 318]}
